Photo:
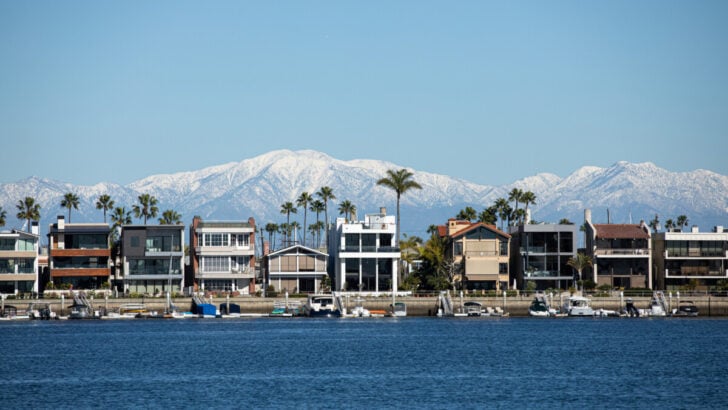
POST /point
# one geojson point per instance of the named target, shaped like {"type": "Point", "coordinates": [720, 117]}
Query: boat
{"type": "Point", "coordinates": [471, 308]}
{"type": "Point", "coordinates": [399, 309]}
{"type": "Point", "coordinates": [41, 311]}
{"type": "Point", "coordinates": [686, 308]}
{"type": "Point", "coordinates": [321, 306]}
{"type": "Point", "coordinates": [540, 307]}
{"type": "Point", "coordinates": [81, 311]}
{"type": "Point", "coordinates": [133, 310]}
{"type": "Point", "coordinates": [578, 306]}
{"type": "Point", "coordinates": [658, 305]}
{"type": "Point", "coordinates": [359, 310]}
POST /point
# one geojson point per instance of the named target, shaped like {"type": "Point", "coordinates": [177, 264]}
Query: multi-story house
{"type": "Point", "coordinates": [296, 269]}
{"type": "Point", "coordinates": [621, 253]}
{"type": "Point", "coordinates": [19, 261]}
{"type": "Point", "coordinates": [152, 258]}
{"type": "Point", "coordinates": [79, 254]}
{"type": "Point", "coordinates": [364, 254]}
{"type": "Point", "coordinates": [540, 252]}
{"type": "Point", "coordinates": [685, 257]}
{"type": "Point", "coordinates": [222, 255]}
{"type": "Point", "coordinates": [479, 254]}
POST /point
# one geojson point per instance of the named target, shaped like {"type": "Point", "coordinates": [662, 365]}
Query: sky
{"type": "Point", "coordinates": [488, 91]}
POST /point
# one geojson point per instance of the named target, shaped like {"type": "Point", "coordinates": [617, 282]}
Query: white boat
{"type": "Point", "coordinates": [399, 309]}
{"type": "Point", "coordinates": [321, 306]}
{"type": "Point", "coordinates": [540, 307]}
{"type": "Point", "coordinates": [686, 308]}
{"type": "Point", "coordinates": [359, 310]}
{"type": "Point", "coordinates": [578, 306]}
{"type": "Point", "coordinates": [472, 308]}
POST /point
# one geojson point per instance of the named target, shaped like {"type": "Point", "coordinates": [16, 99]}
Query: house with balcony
{"type": "Point", "coordinates": [222, 255]}
{"type": "Point", "coordinates": [540, 252]}
{"type": "Point", "coordinates": [152, 258]}
{"type": "Point", "coordinates": [296, 269]}
{"type": "Point", "coordinates": [479, 253]}
{"type": "Point", "coordinates": [79, 254]}
{"type": "Point", "coordinates": [364, 254]}
{"type": "Point", "coordinates": [19, 261]}
{"type": "Point", "coordinates": [687, 258]}
{"type": "Point", "coordinates": [621, 254]}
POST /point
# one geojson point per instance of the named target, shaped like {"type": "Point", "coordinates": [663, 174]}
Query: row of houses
{"type": "Point", "coordinates": [360, 256]}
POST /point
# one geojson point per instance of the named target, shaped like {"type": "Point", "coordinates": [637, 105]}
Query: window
{"type": "Point", "coordinates": [351, 242]}
{"type": "Point", "coordinates": [215, 264]}
{"type": "Point", "coordinates": [351, 265]}
{"type": "Point", "coordinates": [369, 242]}
{"type": "Point", "coordinates": [241, 240]}
{"type": "Point", "coordinates": [25, 245]}
{"type": "Point", "coordinates": [458, 248]}
{"type": "Point", "coordinates": [216, 239]}
{"type": "Point", "coordinates": [502, 268]}
{"type": "Point", "coordinates": [503, 248]}
{"type": "Point", "coordinates": [7, 244]}
{"type": "Point", "coordinates": [566, 242]}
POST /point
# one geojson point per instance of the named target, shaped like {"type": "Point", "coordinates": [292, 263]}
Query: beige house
{"type": "Point", "coordinates": [479, 252]}
{"type": "Point", "coordinates": [296, 269]}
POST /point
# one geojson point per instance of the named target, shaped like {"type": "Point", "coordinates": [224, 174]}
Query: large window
{"type": "Point", "coordinates": [369, 242]}
{"type": "Point", "coordinates": [241, 240]}
{"type": "Point", "coordinates": [566, 242]}
{"type": "Point", "coordinates": [86, 241]}
{"type": "Point", "coordinates": [215, 264]}
{"type": "Point", "coordinates": [351, 242]}
{"type": "Point", "coordinates": [162, 244]}
{"type": "Point", "coordinates": [216, 239]}
{"type": "Point", "coordinates": [7, 244]}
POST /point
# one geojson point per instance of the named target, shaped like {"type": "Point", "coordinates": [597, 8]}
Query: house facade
{"type": "Point", "coordinates": [79, 254]}
{"type": "Point", "coordinates": [152, 258]}
{"type": "Point", "coordinates": [691, 258]}
{"type": "Point", "coordinates": [19, 261]}
{"type": "Point", "coordinates": [621, 254]}
{"type": "Point", "coordinates": [222, 255]}
{"type": "Point", "coordinates": [296, 269]}
{"type": "Point", "coordinates": [480, 253]}
{"type": "Point", "coordinates": [364, 254]}
{"type": "Point", "coordinates": [540, 252]}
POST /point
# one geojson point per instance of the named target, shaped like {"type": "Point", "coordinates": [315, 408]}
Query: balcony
{"type": "Point", "coordinates": [370, 249]}
{"type": "Point", "coordinates": [622, 252]}
{"type": "Point", "coordinates": [545, 274]}
{"type": "Point", "coordinates": [695, 271]}
{"type": "Point", "coordinates": [696, 253]}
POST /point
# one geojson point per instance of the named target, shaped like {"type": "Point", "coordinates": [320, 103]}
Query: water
{"type": "Point", "coordinates": [356, 363]}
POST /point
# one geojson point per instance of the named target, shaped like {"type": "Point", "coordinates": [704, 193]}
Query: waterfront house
{"type": "Point", "coordinates": [79, 254]}
{"type": "Point", "coordinates": [480, 253]}
{"type": "Point", "coordinates": [152, 258]}
{"type": "Point", "coordinates": [296, 269]}
{"type": "Point", "coordinates": [621, 253]}
{"type": "Point", "coordinates": [19, 261]}
{"type": "Point", "coordinates": [691, 258]}
{"type": "Point", "coordinates": [365, 256]}
{"type": "Point", "coordinates": [222, 255]}
{"type": "Point", "coordinates": [540, 252]}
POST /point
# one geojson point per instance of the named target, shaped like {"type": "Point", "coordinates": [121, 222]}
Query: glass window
{"type": "Point", "coordinates": [566, 242]}
{"type": "Point", "coordinates": [7, 244]}
{"type": "Point", "coordinates": [369, 242]}
{"type": "Point", "coordinates": [503, 248]}
{"type": "Point", "coordinates": [351, 242]}
{"type": "Point", "coordinates": [502, 268]}
{"type": "Point", "coordinates": [352, 265]}
{"type": "Point", "coordinates": [215, 264]}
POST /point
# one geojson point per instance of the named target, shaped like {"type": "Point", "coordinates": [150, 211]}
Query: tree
{"type": "Point", "coordinates": [565, 221]}
{"type": "Point", "coordinates": [70, 200]}
{"type": "Point", "coordinates": [580, 262]}
{"type": "Point", "coordinates": [503, 209]}
{"type": "Point", "coordinates": [28, 210]}
{"type": "Point", "coordinates": [400, 182]}
{"type": "Point", "coordinates": [3, 215]}
{"type": "Point", "coordinates": [106, 203]}
{"type": "Point", "coordinates": [326, 194]}
{"type": "Point", "coordinates": [271, 228]}
{"type": "Point", "coordinates": [346, 208]}
{"type": "Point", "coordinates": [294, 228]}
{"type": "Point", "coordinates": [515, 195]}
{"type": "Point", "coordinates": [317, 206]}
{"type": "Point", "coordinates": [527, 198]}
{"type": "Point", "coordinates": [146, 208]}
{"type": "Point", "coordinates": [288, 208]}
{"type": "Point", "coordinates": [655, 223]}
{"type": "Point", "coordinates": [669, 225]}
{"type": "Point", "coordinates": [467, 214]}
{"type": "Point", "coordinates": [682, 221]}
{"type": "Point", "coordinates": [316, 229]}
{"type": "Point", "coordinates": [120, 216]}
{"type": "Point", "coordinates": [303, 200]}
{"type": "Point", "coordinates": [170, 217]}
{"type": "Point", "coordinates": [489, 216]}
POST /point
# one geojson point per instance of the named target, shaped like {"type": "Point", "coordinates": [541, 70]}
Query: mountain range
{"type": "Point", "coordinates": [258, 186]}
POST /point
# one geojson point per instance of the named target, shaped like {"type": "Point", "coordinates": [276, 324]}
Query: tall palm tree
{"type": "Point", "coordinates": [655, 223]}
{"type": "Point", "coordinates": [3, 215]}
{"type": "Point", "coordinates": [285, 230]}
{"type": "Point", "coordinates": [288, 208]}
{"type": "Point", "coordinates": [580, 262]}
{"type": "Point", "coordinates": [146, 208]}
{"type": "Point", "coordinates": [120, 216]}
{"type": "Point", "coordinates": [504, 210]}
{"type": "Point", "coordinates": [303, 200]}
{"type": "Point", "coordinates": [528, 198]}
{"type": "Point", "coordinates": [488, 216]}
{"type": "Point", "coordinates": [467, 214]}
{"type": "Point", "coordinates": [682, 221]}
{"type": "Point", "coordinates": [346, 208]}
{"type": "Point", "coordinates": [326, 194]}
{"type": "Point", "coordinates": [400, 181]}
{"type": "Point", "coordinates": [317, 206]}
{"type": "Point", "coordinates": [294, 228]}
{"type": "Point", "coordinates": [515, 195]}
{"type": "Point", "coordinates": [271, 228]}
{"type": "Point", "coordinates": [70, 200]}
{"type": "Point", "coordinates": [317, 228]}
{"type": "Point", "coordinates": [106, 203]}
{"type": "Point", "coordinates": [28, 210]}
{"type": "Point", "coordinates": [170, 217]}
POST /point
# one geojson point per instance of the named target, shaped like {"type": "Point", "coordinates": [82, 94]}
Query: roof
{"type": "Point", "coordinates": [224, 224]}
{"type": "Point", "coordinates": [290, 249]}
{"type": "Point", "coordinates": [617, 231]}
{"type": "Point", "coordinates": [81, 228]}
{"type": "Point", "coordinates": [442, 230]}
{"type": "Point", "coordinates": [477, 225]}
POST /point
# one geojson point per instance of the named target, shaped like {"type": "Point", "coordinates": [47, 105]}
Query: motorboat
{"type": "Point", "coordinates": [399, 309]}
{"type": "Point", "coordinates": [472, 308]}
{"type": "Point", "coordinates": [686, 308]}
{"type": "Point", "coordinates": [359, 310]}
{"type": "Point", "coordinates": [540, 307]}
{"type": "Point", "coordinates": [321, 306]}
{"type": "Point", "coordinates": [578, 306]}
{"type": "Point", "coordinates": [41, 311]}
{"type": "Point", "coordinates": [658, 305]}
{"type": "Point", "coordinates": [81, 311]}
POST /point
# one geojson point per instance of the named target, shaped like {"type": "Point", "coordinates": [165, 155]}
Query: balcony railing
{"type": "Point", "coordinates": [696, 254]}
{"type": "Point", "coordinates": [381, 249]}
{"type": "Point", "coordinates": [545, 274]}
{"type": "Point", "coordinates": [691, 271]}
{"type": "Point", "coordinates": [638, 252]}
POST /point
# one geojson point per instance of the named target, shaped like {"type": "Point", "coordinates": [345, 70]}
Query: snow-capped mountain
{"type": "Point", "coordinates": [258, 186]}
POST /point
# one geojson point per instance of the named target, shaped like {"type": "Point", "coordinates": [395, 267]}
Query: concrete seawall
{"type": "Point", "coordinates": [416, 306]}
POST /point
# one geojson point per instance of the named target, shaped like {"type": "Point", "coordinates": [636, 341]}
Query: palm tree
{"type": "Point", "coordinates": [580, 262]}
{"type": "Point", "coordinates": [288, 208]}
{"type": "Point", "coordinates": [28, 210]}
{"type": "Point", "coordinates": [170, 217]}
{"type": "Point", "coordinates": [317, 228]}
{"type": "Point", "coordinates": [504, 210]}
{"type": "Point", "coordinates": [432, 230]}
{"type": "Point", "coordinates": [326, 194]}
{"type": "Point", "coordinates": [120, 216]}
{"type": "Point", "coordinates": [285, 230]}
{"type": "Point", "coordinates": [655, 223]}
{"type": "Point", "coordinates": [70, 200]}
{"type": "Point", "coordinates": [303, 200]}
{"type": "Point", "coordinates": [294, 228]}
{"type": "Point", "coordinates": [528, 198]}
{"type": "Point", "coordinates": [3, 215]}
{"type": "Point", "coordinates": [669, 225]}
{"type": "Point", "coordinates": [104, 202]}
{"type": "Point", "coordinates": [346, 208]}
{"type": "Point", "coordinates": [488, 216]}
{"type": "Point", "coordinates": [682, 221]}
{"type": "Point", "coordinates": [467, 214]}
{"type": "Point", "coordinates": [147, 207]}
{"type": "Point", "coordinates": [565, 221]}
{"type": "Point", "coordinates": [400, 182]}
{"type": "Point", "coordinates": [271, 228]}
{"type": "Point", "coordinates": [317, 206]}
{"type": "Point", "coordinates": [515, 195]}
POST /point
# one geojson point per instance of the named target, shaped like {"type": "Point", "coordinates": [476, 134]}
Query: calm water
{"type": "Point", "coordinates": [335, 363]}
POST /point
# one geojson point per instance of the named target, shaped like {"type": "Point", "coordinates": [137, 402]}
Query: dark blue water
{"type": "Point", "coordinates": [356, 363]}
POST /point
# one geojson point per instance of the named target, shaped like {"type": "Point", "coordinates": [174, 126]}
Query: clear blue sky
{"type": "Point", "coordinates": [95, 91]}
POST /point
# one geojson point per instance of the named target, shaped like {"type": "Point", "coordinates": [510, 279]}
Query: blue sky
{"type": "Point", "coordinates": [95, 91]}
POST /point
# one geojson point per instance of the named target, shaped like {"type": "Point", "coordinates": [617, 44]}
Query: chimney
{"type": "Point", "coordinates": [718, 229]}
{"type": "Point", "coordinates": [353, 216]}
{"type": "Point", "coordinates": [695, 229]}
{"type": "Point", "coordinates": [61, 222]}
{"type": "Point", "coordinates": [383, 210]}
{"type": "Point", "coordinates": [34, 228]}
{"type": "Point", "coordinates": [587, 215]}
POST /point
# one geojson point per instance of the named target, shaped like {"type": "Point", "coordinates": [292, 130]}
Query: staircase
{"type": "Point", "coordinates": [445, 304]}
